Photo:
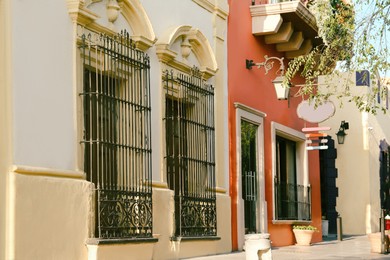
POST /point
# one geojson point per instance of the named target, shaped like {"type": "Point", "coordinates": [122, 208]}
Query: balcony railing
{"type": "Point", "coordinates": [293, 202]}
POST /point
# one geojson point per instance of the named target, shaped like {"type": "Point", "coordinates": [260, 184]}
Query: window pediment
{"type": "Point", "coordinates": [175, 47]}
{"type": "Point", "coordinates": [131, 10]}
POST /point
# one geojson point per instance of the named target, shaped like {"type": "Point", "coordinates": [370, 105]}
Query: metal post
{"type": "Point", "coordinates": [339, 229]}
{"type": "Point", "coordinates": [383, 236]}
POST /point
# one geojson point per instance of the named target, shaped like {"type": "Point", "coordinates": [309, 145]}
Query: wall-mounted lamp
{"type": "Point", "coordinates": [341, 133]}
{"type": "Point", "coordinates": [282, 90]}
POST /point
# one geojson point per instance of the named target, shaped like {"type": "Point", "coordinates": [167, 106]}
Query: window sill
{"type": "Point", "coordinates": [195, 238]}
{"type": "Point", "coordinates": [100, 241]}
{"type": "Point", "coordinates": [292, 222]}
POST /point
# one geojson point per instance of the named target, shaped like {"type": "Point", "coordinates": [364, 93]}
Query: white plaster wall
{"type": "Point", "coordinates": [163, 16]}
{"type": "Point", "coordinates": [353, 175]}
{"type": "Point", "coordinates": [5, 118]}
{"type": "Point", "coordinates": [214, 247]}
{"type": "Point", "coordinates": [378, 128]}
{"type": "Point", "coordinates": [50, 217]}
{"type": "Point", "coordinates": [167, 14]}
{"type": "Point", "coordinates": [163, 223]}
{"type": "Point", "coordinates": [203, 247]}
{"type": "Point", "coordinates": [44, 132]}
{"type": "Point", "coordinates": [132, 251]}
{"type": "Point", "coordinates": [357, 161]}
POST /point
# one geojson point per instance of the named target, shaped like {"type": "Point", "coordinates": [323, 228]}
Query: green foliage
{"type": "Point", "coordinates": [248, 132]}
{"type": "Point", "coordinates": [248, 135]}
{"type": "Point", "coordinates": [304, 227]}
{"type": "Point", "coordinates": [353, 39]}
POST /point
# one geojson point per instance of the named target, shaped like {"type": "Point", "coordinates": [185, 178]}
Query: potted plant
{"type": "Point", "coordinates": [303, 234]}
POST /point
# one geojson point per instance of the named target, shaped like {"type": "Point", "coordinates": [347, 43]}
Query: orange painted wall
{"type": "Point", "coordinates": [255, 89]}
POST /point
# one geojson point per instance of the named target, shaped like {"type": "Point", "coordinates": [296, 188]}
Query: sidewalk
{"type": "Point", "coordinates": [352, 247]}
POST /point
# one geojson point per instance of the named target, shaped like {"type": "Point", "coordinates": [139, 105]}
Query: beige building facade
{"type": "Point", "coordinates": [114, 131]}
{"type": "Point", "coordinates": [358, 159]}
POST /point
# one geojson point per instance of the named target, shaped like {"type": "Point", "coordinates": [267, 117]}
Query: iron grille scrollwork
{"type": "Point", "coordinates": [124, 214]}
{"type": "Point", "coordinates": [117, 134]}
{"type": "Point", "coordinates": [190, 152]}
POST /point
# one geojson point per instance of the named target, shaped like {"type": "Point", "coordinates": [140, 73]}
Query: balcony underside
{"type": "Point", "coordinates": [290, 26]}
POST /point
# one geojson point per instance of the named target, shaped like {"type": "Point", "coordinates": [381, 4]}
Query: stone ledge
{"type": "Point", "coordinates": [98, 241]}
{"type": "Point", "coordinates": [195, 238]}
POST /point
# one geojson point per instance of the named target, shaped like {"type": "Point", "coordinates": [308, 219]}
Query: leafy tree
{"type": "Point", "coordinates": [354, 37]}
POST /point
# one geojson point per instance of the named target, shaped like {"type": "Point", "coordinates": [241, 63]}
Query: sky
{"type": "Point", "coordinates": [365, 9]}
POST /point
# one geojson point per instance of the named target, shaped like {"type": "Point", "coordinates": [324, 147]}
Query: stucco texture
{"type": "Point", "coordinates": [51, 217]}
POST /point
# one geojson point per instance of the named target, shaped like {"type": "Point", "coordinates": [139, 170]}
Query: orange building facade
{"type": "Point", "coordinates": [274, 180]}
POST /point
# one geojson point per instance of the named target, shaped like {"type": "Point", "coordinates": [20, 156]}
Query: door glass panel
{"type": "Point", "coordinates": [249, 174]}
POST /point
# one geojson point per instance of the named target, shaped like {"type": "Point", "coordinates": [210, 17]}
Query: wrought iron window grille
{"type": "Point", "coordinates": [117, 134]}
{"type": "Point", "coordinates": [190, 152]}
{"type": "Point", "coordinates": [293, 202]}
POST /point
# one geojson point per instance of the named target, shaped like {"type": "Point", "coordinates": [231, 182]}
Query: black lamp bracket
{"type": "Point", "coordinates": [268, 64]}
{"type": "Point", "coordinates": [344, 125]}
{"type": "Point", "coordinates": [341, 133]}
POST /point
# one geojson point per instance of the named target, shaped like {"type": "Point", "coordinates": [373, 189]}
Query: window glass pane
{"type": "Point", "coordinates": [249, 173]}
{"type": "Point", "coordinates": [292, 200]}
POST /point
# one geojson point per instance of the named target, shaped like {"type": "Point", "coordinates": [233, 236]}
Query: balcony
{"type": "Point", "coordinates": [289, 25]}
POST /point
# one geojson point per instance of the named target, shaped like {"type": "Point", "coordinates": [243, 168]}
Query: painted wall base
{"type": "Point", "coordinates": [52, 218]}
{"type": "Point", "coordinates": [48, 217]}
{"type": "Point", "coordinates": [142, 251]}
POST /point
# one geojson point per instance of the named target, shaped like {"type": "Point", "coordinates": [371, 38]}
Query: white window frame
{"type": "Point", "coordinates": [257, 118]}
{"type": "Point", "coordinates": [301, 161]}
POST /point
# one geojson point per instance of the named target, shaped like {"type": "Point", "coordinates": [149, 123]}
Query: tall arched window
{"type": "Point", "coordinates": [117, 134]}
{"type": "Point", "coordinates": [190, 152]}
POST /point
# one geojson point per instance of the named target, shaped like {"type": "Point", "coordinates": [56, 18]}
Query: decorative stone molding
{"type": "Point", "coordinates": [142, 43]}
{"type": "Point", "coordinates": [191, 40]}
{"type": "Point", "coordinates": [294, 7]}
{"type": "Point", "coordinates": [160, 185]}
{"type": "Point", "coordinates": [112, 13]}
{"type": "Point", "coordinates": [79, 13]}
{"type": "Point", "coordinates": [216, 6]}
{"type": "Point", "coordinates": [40, 171]}
{"type": "Point", "coordinates": [220, 190]}
{"type": "Point", "coordinates": [185, 48]}
{"type": "Point", "coordinates": [305, 48]}
{"type": "Point", "coordinates": [249, 109]}
{"type": "Point", "coordinates": [290, 25]}
{"type": "Point", "coordinates": [88, 2]}
{"type": "Point", "coordinates": [293, 44]}
{"type": "Point", "coordinates": [283, 35]}
{"type": "Point", "coordinates": [135, 15]}
{"type": "Point", "coordinates": [206, 4]}
{"type": "Point", "coordinates": [132, 10]}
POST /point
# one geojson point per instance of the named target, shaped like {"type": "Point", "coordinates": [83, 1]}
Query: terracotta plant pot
{"type": "Point", "coordinates": [303, 237]}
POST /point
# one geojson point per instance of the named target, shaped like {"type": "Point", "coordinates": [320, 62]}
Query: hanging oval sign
{"type": "Point", "coordinates": [309, 112]}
